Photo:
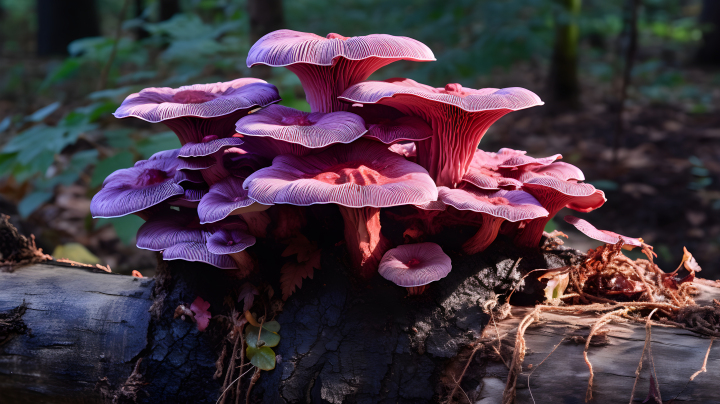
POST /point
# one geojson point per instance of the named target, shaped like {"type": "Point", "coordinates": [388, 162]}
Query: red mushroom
{"type": "Point", "coordinates": [494, 207]}
{"type": "Point", "coordinates": [459, 118]}
{"type": "Point", "coordinates": [555, 194]}
{"type": "Point", "coordinates": [326, 66]}
{"type": "Point", "coordinates": [414, 266]}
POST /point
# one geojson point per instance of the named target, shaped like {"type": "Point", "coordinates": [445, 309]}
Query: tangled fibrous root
{"type": "Point", "coordinates": [609, 282]}
{"type": "Point", "coordinates": [17, 250]}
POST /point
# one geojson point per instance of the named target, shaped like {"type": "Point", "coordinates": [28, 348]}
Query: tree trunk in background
{"type": "Point", "coordinates": [168, 8]}
{"type": "Point", "coordinates": [265, 16]}
{"type": "Point", "coordinates": [140, 32]}
{"type": "Point", "coordinates": [709, 52]}
{"type": "Point", "coordinates": [563, 82]}
{"type": "Point", "coordinates": [63, 21]}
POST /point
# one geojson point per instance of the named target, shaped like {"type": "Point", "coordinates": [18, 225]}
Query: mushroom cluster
{"type": "Point", "coordinates": [247, 163]}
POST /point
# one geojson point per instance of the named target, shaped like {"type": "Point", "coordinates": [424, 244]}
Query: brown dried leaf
{"type": "Point", "coordinates": [292, 273]}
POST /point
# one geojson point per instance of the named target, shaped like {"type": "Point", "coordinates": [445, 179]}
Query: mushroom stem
{"type": "Point", "coordinates": [484, 236]}
{"type": "Point", "coordinates": [456, 136]}
{"type": "Point", "coordinates": [244, 262]}
{"type": "Point", "coordinates": [365, 243]}
{"type": "Point", "coordinates": [193, 129]}
{"type": "Point", "coordinates": [416, 290]}
{"type": "Point", "coordinates": [530, 235]}
{"type": "Point", "coordinates": [323, 84]}
{"type": "Point", "coordinates": [288, 219]}
{"type": "Point", "coordinates": [257, 222]}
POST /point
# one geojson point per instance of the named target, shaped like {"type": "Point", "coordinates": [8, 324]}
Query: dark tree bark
{"type": "Point", "coordinates": [265, 16]}
{"type": "Point", "coordinates": [73, 335]}
{"type": "Point", "coordinates": [709, 52]}
{"type": "Point", "coordinates": [563, 81]}
{"type": "Point", "coordinates": [168, 8]}
{"type": "Point", "coordinates": [63, 21]}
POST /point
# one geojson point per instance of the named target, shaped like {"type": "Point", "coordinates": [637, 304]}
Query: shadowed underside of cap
{"type": "Point", "coordinates": [405, 128]}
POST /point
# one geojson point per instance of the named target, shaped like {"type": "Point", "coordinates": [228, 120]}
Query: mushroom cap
{"type": "Point", "coordinates": [230, 239]}
{"type": "Point", "coordinates": [404, 128]}
{"type": "Point", "coordinates": [605, 236]}
{"type": "Point", "coordinates": [416, 95]}
{"type": "Point", "coordinates": [240, 163]}
{"type": "Point", "coordinates": [361, 174]}
{"type": "Point", "coordinates": [180, 237]}
{"type": "Point", "coordinates": [512, 206]}
{"type": "Point", "coordinates": [198, 100]}
{"type": "Point", "coordinates": [308, 129]}
{"type": "Point", "coordinates": [223, 198]}
{"type": "Point", "coordinates": [209, 147]}
{"type": "Point", "coordinates": [407, 150]}
{"type": "Point", "coordinates": [286, 47]}
{"type": "Point", "coordinates": [560, 170]}
{"type": "Point", "coordinates": [134, 189]}
{"type": "Point", "coordinates": [586, 197]}
{"type": "Point", "coordinates": [411, 265]}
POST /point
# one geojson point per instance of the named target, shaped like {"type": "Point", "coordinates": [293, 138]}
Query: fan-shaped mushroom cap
{"type": "Point", "coordinates": [605, 236]}
{"type": "Point", "coordinates": [134, 189]}
{"type": "Point", "coordinates": [180, 236]}
{"type": "Point", "coordinates": [311, 130]}
{"type": "Point", "coordinates": [225, 198]}
{"type": "Point", "coordinates": [459, 117]}
{"type": "Point", "coordinates": [326, 66]}
{"type": "Point", "coordinates": [364, 173]}
{"type": "Point", "coordinates": [199, 110]}
{"type": "Point", "coordinates": [407, 150]}
{"type": "Point", "coordinates": [404, 128]}
{"type": "Point", "coordinates": [415, 265]}
{"type": "Point", "coordinates": [208, 146]}
{"type": "Point", "coordinates": [555, 194]}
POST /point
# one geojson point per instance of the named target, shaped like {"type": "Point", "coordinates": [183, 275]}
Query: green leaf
{"type": "Point", "coordinates": [82, 159]}
{"type": "Point", "coordinates": [33, 201]}
{"type": "Point", "coordinates": [272, 326]}
{"type": "Point", "coordinates": [43, 112]}
{"type": "Point", "coordinates": [75, 252]}
{"type": "Point", "coordinates": [4, 124]}
{"type": "Point", "coordinates": [119, 138]}
{"type": "Point", "coordinates": [269, 338]}
{"type": "Point", "coordinates": [7, 163]}
{"type": "Point", "coordinates": [263, 358]}
{"type": "Point", "coordinates": [158, 142]}
{"type": "Point", "coordinates": [106, 167]}
{"type": "Point", "coordinates": [126, 227]}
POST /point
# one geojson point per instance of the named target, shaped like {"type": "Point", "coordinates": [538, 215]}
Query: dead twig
{"type": "Point", "coordinates": [459, 379]}
{"type": "Point", "coordinates": [602, 321]}
{"type": "Point", "coordinates": [704, 365]}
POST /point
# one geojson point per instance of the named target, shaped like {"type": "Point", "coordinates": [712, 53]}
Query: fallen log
{"type": "Point", "coordinates": [113, 338]}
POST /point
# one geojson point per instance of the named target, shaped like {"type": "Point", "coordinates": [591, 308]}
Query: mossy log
{"type": "Point", "coordinates": [90, 337]}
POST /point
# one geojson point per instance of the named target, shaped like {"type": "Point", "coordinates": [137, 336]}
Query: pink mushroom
{"type": "Point", "coordinates": [459, 118]}
{"type": "Point", "coordinates": [405, 128]}
{"type": "Point", "coordinates": [555, 194]}
{"type": "Point", "coordinates": [605, 236]}
{"type": "Point", "coordinates": [289, 131]}
{"type": "Point", "coordinates": [327, 66]}
{"type": "Point", "coordinates": [414, 266]}
{"type": "Point", "coordinates": [194, 112]}
{"type": "Point", "coordinates": [494, 207]}
{"type": "Point", "coordinates": [361, 178]}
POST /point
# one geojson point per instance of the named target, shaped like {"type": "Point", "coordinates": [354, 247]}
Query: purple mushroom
{"type": "Point", "coordinates": [200, 110]}
{"type": "Point", "coordinates": [180, 236]}
{"type": "Point", "coordinates": [135, 189]}
{"type": "Point", "coordinates": [226, 198]}
{"type": "Point", "coordinates": [459, 118]}
{"type": "Point", "coordinates": [361, 178]}
{"type": "Point", "coordinates": [495, 207]}
{"type": "Point", "coordinates": [414, 266]}
{"type": "Point", "coordinates": [326, 66]}
{"type": "Point", "coordinates": [290, 131]}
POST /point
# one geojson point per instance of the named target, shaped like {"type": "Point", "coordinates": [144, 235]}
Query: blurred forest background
{"type": "Point", "coordinates": [632, 91]}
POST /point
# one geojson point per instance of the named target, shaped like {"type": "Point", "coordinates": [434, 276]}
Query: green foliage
{"type": "Point", "coordinates": [263, 358]}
